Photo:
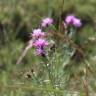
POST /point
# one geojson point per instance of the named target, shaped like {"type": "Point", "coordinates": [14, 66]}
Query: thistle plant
{"type": "Point", "coordinates": [63, 67]}
{"type": "Point", "coordinates": [56, 56]}
{"type": "Point", "coordinates": [59, 55]}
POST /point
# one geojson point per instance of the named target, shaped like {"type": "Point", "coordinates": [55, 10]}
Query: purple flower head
{"type": "Point", "coordinates": [77, 22]}
{"type": "Point", "coordinates": [72, 20]}
{"type": "Point", "coordinates": [40, 52]}
{"type": "Point", "coordinates": [38, 33]}
{"type": "Point", "coordinates": [40, 43]}
{"type": "Point", "coordinates": [69, 19]}
{"type": "Point", "coordinates": [47, 21]}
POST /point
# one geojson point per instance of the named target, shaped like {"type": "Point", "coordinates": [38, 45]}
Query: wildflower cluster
{"type": "Point", "coordinates": [39, 41]}
{"type": "Point", "coordinates": [52, 57]}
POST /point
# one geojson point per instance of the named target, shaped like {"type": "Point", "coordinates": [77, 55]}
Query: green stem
{"type": "Point", "coordinates": [49, 73]}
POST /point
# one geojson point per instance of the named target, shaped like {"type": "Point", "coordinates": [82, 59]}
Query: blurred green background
{"type": "Point", "coordinates": [18, 18]}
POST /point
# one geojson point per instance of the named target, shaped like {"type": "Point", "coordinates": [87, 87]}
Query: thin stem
{"type": "Point", "coordinates": [62, 7]}
{"type": "Point", "coordinates": [23, 53]}
{"type": "Point", "coordinates": [85, 83]}
{"type": "Point", "coordinates": [60, 17]}
{"type": "Point", "coordinates": [51, 78]}
{"type": "Point", "coordinates": [49, 73]}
